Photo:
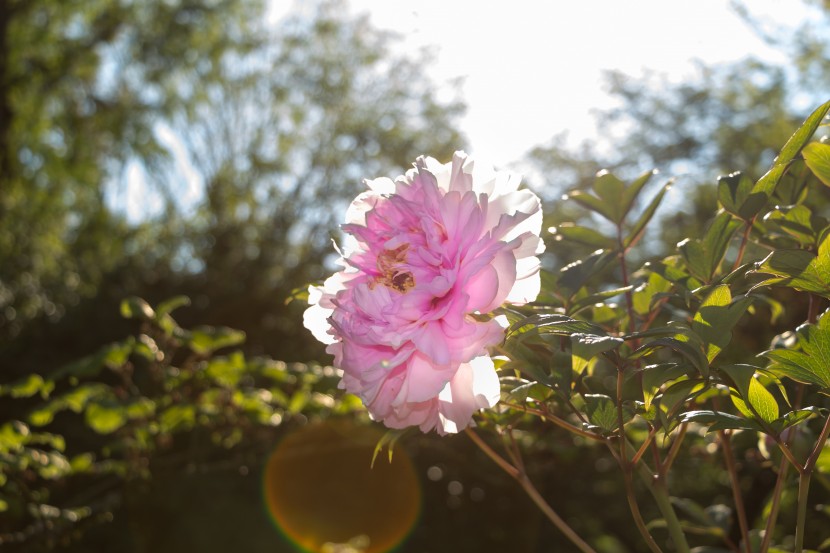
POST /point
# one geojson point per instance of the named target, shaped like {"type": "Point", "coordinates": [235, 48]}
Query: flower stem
{"type": "Point", "coordinates": [550, 417]}
{"type": "Point", "coordinates": [783, 468]}
{"type": "Point", "coordinates": [532, 492]}
{"type": "Point", "coordinates": [729, 458]}
{"type": "Point", "coordinates": [801, 513]}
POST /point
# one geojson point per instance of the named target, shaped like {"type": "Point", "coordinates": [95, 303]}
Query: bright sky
{"type": "Point", "coordinates": [532, 67]}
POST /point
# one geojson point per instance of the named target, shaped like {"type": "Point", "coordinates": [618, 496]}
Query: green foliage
{"type": "Point", "coordinates": [137, 399]}
{"type": "Point", "coordinates": [649, 356]}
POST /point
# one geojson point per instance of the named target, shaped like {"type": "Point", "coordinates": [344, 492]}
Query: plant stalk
{"type": "Point", "coordinates": [532, 492]}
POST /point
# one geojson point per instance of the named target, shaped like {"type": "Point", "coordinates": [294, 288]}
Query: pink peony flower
{"type": "Point", "coordinates": [428, 255]}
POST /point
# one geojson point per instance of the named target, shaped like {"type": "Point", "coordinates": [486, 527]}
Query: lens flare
{"type": "Point", "coordinates": [321, 489]}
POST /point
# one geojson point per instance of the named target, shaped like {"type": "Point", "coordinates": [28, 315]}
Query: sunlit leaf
{"type": "Point", "coordinates": [810, 365]}
{"type": "Point", "coordinates": [791, 149]}
{"type": "Point", "coordinates": [817, 157]}
{"type": "Point", "coordinates": [207, 339]}
{"type": "Point", "coordinates": [136, 308]}
{"type": "Point", "coordinates": [105, 418]}
{"type": "Point", "coordinates": [716, 420]}
{"type": "Point", "coordinates": [799, 269]}
{"type": "Point", "coordinates": [716, 317]}
{"type": "Point", "coordinates": [585, 347]}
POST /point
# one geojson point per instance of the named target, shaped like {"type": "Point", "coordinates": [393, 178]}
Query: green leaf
{"type": "Point", "coordinates": [589, 201]}
{"type": "Point", "coordinates": [585, 347]}
{"type": "Point", "coordinates": [757, 403]}
{"type": "Point", "coordinates": [791, 149]}
{"type": "Point", "coordinates": [799, 222]}
{"type": "Point", "coordinates": [675, 397]}
{"type": "Point", "coordinates": [793, 417]}
{"type": "Point", "coordinates": [717, 420]}
{"type": "Point", "coordinates": [168, 306]}
{"type": "Point", "coordinates": [735, 194]}
{"type": "Point", "coordinates": [693, 352]}
{"type": "Point", "coordinates": [799, 269]}
{"type": "Point", "coordinates": [13, 436]}
{"type": "Point", "coordinates": [559, 325]}
{"type": "Point", "coordinates": [810, 365]}
{"type": "Point", "coordinates": [645, 217]}
{"type": "Point", "coordinates": [716, 317]}
{"type": "Point", "coordinates": [582, 235]}
{"type": "Point", "coordinates": [611, 191]}
{"type": "Point", "coordinates": [654, 376]}
{"type": "Point", "coordinates": [574, 275]}
{"type": "Point", "coordinates": [28, 386]}
{"type": "Point", "coordinates": [204, 340]}
{"type": "Point", "coordinates": [632, 191]}
{"type": "Point", "coordinates": [703, 257]}
{"type": "Point", "coordinates": [817, 157]}
{"type": "Point", "coordinates": [388, 440]}
{"type": "Point", "coordinates": [136, 308]}
{"type": "Point", "coordinates": [178, 417]}
{"type": "Point", "coordinates": [601, 411]}
{"type": "Point", "coordinates": [598, 297]}
{"type": "Point", "coordinates": [671, 268]}
{"type": "Point", "coordinates": [644, 296]}
{"type": "Point", "coordinates": [105, 418]}
{"type": "Point", "coordinates": [227, 371]}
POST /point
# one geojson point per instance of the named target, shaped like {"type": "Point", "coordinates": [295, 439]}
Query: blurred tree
{"type": "Point", "coordinates": [731, 117]}
{"type": "Point", "coordinates": [105, 103]}
{"type": "Point", "coordinates": [282, 145]}
{"type": "Point", "coordinates": [82, 87]}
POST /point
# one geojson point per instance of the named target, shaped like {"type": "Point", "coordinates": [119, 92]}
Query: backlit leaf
{"type": "Point", "coordinates": [817, 157]}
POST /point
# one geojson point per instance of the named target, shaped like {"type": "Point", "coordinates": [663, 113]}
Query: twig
{"type": "Point", "coordinates": [729, 458]}
{"type": "Point", "coordinates": [532, 492]}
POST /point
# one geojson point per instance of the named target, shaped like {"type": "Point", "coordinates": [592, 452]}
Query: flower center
{"type": "Point", "coordinates": [392, 275]}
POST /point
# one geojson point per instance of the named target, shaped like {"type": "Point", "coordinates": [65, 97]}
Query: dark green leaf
{"type": "Point", "coordinates": [675, 397]}
{"type": "Point", "coordinates": [692, 352]}
{"type": "Point", "coordinates": [582, 235]}
{"type": "Point", "coordinates": [735, 194]}
{"type": "Point", "coordinates": [573, 276]}
{"type": "Point", "coordinates": [589, 201]}
{"type": "Point", "coordinates": [611, 191]}
{"type": "Point", "coordinates": [703, 257]}
{"type": "Point", "coordinates": [598, 297]}
{"type": "Point", "coordinates": [601, 411]}
{"type": "Point", "coordinates": [793, 417]}
{"type": "Point", "coordinates": [632, 191]}
{"type": "Point", "coordinates": [645, 217]}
